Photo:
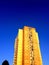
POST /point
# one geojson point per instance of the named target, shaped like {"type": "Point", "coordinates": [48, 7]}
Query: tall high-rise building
{"type": "Point", "coordinates": [27, 48]}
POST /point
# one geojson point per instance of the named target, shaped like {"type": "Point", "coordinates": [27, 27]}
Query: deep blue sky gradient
{"type": "Point", "coordinates": [17, 14]}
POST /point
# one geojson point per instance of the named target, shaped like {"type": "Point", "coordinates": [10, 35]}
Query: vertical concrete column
{"type": "Point", "coordinates": [15, 51]}
{"type": "Point", "coordinates": [26, 46]}
{"type": "Point", "coordinates": [36, 49]}
{"type": "Point", "coordinates": [20, 48]}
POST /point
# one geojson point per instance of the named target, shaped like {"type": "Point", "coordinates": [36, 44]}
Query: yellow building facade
{"type": "Point", "coordinates": [27, 48]}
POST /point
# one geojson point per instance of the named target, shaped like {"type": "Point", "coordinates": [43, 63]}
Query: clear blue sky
{"type": "Point", "coordinates": [17, 14]}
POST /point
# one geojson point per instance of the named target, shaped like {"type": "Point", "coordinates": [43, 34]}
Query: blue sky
{"type": "Point", "coordinates": [17, 14]}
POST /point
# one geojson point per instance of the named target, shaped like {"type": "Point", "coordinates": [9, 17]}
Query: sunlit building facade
{"type": "Point", "coordinates": [27, 48]}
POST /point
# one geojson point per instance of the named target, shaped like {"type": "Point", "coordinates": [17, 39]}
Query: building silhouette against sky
{"type": "Point", "coordinates": [27, 48]}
